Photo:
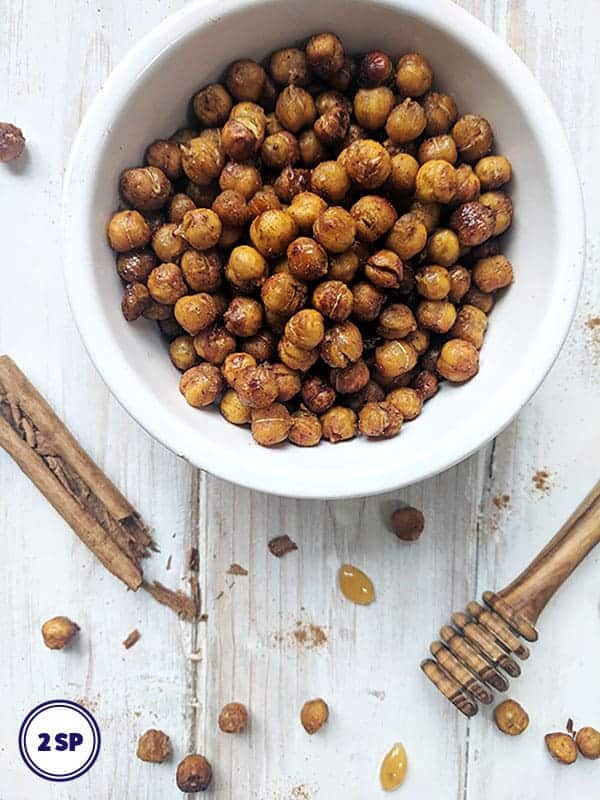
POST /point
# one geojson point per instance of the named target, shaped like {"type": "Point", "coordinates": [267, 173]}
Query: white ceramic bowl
{"type": "Point", "coordinates": [146, 97]}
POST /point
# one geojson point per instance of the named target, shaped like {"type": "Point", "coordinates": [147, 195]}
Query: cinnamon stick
{"type": "Point", "coordinates": [50, 456]}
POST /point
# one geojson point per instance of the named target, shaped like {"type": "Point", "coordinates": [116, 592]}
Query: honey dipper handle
{"type": "Point", "coordinates": [528, 594]}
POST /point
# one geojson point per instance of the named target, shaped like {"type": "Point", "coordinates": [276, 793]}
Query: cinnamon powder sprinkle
{"type": "Point", "coordinates": [501, 501]}
{"type": "Point", "coordinates": [541, 481]}
{"type": "Point", "coordinates": [132, 638]}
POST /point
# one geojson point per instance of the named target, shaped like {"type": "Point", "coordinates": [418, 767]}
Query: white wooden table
{"type": "Point", "coordinates": [53, 58]}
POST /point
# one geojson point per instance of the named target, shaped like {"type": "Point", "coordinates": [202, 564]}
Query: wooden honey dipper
{"type": "Point", "coordinates": [480, 646]}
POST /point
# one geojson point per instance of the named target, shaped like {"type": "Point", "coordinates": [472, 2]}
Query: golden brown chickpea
{"type": "Point", "coordinates": [262, 346]}
{"type": "Point", "coordinates": [201, 385]}
{"type": "Point", "coordinates": [307, 260]}
{"type": "Point", "coordinates": [166, 156]}
{"type": "Point", "coordinates": [460, 282]}
{"type": "Point", "coordinates": [231, 208]}
{"type": "Point", "coordinates": [561, 747]}
{"type": "Point", "coordinates": [438, 147]}
{"type": "Point", "coordinates": [242, 178]}
{"type": "Point", "coordinates": [325, 54]}
{"type": "Point", "coordinates": [407, 237]}
{"type": "Point", "coordinates": [335, 229]}
{"type": "Point", "coordinates": [395, 357]}
{"type": "Point", "coordinates": [245, 80]}
{"type": "Point", "coordinates": [289, 66]}
{"type": "Point", "coordinates": [473, 136]}
{"type": "Point", "coordinates": [588, 742]}
{"type": "Point", "coordinates": [167, 242]}
{"type": "Point", "coordinates": [511, 718]}
{"type": "Point", "coordinates": [443, 247]}
{"type": "Point", "coordinates": [436, 182]}
{"type": "Point", "coordinates": [244, 131]}
{"type": "Point", "coordinates": [203, 158]}
{"type": "Point", "coordinates": [344, 266]}
{"type": "Point", "coordinates": [194, 774]}
{"type": "Point", "coordinates": [295, 108]}
{"type": "Point", "coordinates": [232, 408]}
{"type": "Point", "coordinates": [136, 300]}
{"type": "Point", "coordinates": [380, 420]}
{"type": "Point", "coordinates": [283, 294]}
{"type": "Point", "coordinates": [396, 321]}
{"type": "Point", "coordinates": [166, 284]}
{"type": "Point", "coordinates": [403, 175]}
{"type": "Point", "coordinates": [332, 126]}
{"type": "Point", "coordinates": [374, 216]}
{"type": "Point", "coordinates": [413, 75]}
{"type": "Point", "coordinates": [272, 232]}
{"type": "Point", "coordinates": [194, 312]}
{"type": "Point", "coordinates": [306, 430]}
{"type": "Point", "coordinates": [385, 269]}
{"type": "Point", "coordinates": [470, 325]}
{"type": "Point", "coordinates": [182, 353]}
{"type": "Point", "coordinates": [408, 402]}
{"type": "Point", "coordinates": [271, 425]}
{"type": "Point", "coordinates": [280, 150]}
{"type": "Point", "coordinates": [317, 395]}
{"type": "Point", "coordinates": [367, 301]}
{"type": "Point", "coordinates": [376, 69]}
{"type": "Point", "coordinates": [179, 205]}
{"type": "Point", "coordinates": [296, 357]}
{"type": "Point", "coordinates": [145, 188]}
{"type": "Point", "coordinates": [234, 363]}
{"type": "Point", "coordinates": [350, 379]}
{"type": "Point", "coordinates": [473, 222]}
{"type": "Point", "coordinates": [481, 300]}
{"type": "Point", "coordinates": [136, 265]}
{"type": "Point", "coordinates": [256, 386]}
{"type": "Point", "coordinates": [312, 150]}
{"type": "Point", "coordinates": [128, 230]}
{"type": "Point", "coordinates": [426, 384]}
{"type": "Point", "coordinates": [341, 345]}
{"type": "Point", "coordinates": [288, 381]}
{"type": "Point", "coordinates": [436, 315]}
{"type": "Point", "coordinates": [201, 228]}
{"type": "Point", "coordinates": [371, 393]}
{"type": "Point", "coordinates": [291, 182]}
{"type": "Point", "coordinates": [458, 361]}
{"type": "Point", "coordinates": [202, 271]}
{"type": "Point", "coordinates": [490, 274]}
{"type": "Point", "coordinates": [433, 282]}
{"type": "Point", "coordinates": [305, 208]}
{"type": "Point", "coordinates": [305, 329]}
{"type": "Point", "coordinates": [214, 344]}
{"type": "Point", "coordinates": [419, 340]}
{"type": "Point", "coordinates": [368, 163]}
{"type": "Point", "coordinates": [264, 200]}
{"type": "Point", "coordinates": [212, 105]}
{"type": "Point", "coordinates": [372, 107]}
{"type": "Point", "coordinates": [493, 172]}
{"type": "Point", "coordinates": [246, 268]}
{"type": "Point", "coordinates": [502, 207]}
{"type": "Point", "coordinates": [405, 122]}
{"type": "Point", "coordinates": [243, 316]}
{"type": "Point", "coordinates": [440, 111]}
{"type": "Point", "coordinates": [339, 424]}
{"type": "Point", "coordinates": [330, 180]}
{"type": "Point", "coordinates": [334, 300]}
{"type": "Point", "coordinates": [202, 196]}
{"type": "Point", "coordinates": [467, 185]}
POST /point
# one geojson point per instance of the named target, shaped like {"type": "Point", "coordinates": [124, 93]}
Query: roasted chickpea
{"type": "Point", "coordinates": [332, 126]}
{"type": "Point", "coordinates": [479, 299]}
{"type": "Point", "coordinates": [460, 282]}
{"type": "Point", "coordinates": [330, 99]}
{"type": "Point", "coordinates": [246, 268]}
{"type": "Point", "coordinates": [128, 230]}
{"type": "Point", "coordinates": [413, 75]}
{"type": "Point", "coordinates": [307, 260]}
{"type": "Point", "coordinates": [280, 150]}
{"type": "Point", "coordinates": [312, 149]}
{"type": "Point", "coordinates": [419, 339]}
{"type": "Point", "coordinates": [245, 80]}
{"type": "Point", "coordinates": [288, 381]}
{"type": "Point", "coordinates": [396, 321]}
{"type": "Point", "coordinates": [427, 213]}
{"type": "Point", "coordinates": [367, 301]}
{"type": "Point", "coordinates": [561, 747]}
{"type": "Point", "coordinates": [493, 172]}
{"type": "Point", "coordinates": [214, 344]}
{"type": "Point", "coordinates": [467, 185]}
{"type": "Point", "coordinates": [202, 158]}
{"type": "Point", "coordinates": [136, 299]}
{"type": "Point", "coordinates": [436, 182]}
{"type": "Point", "coordinates": [231, 208]}
{"type": "Point", "coordinates": [380, 420]}
{"type": "Point", "coordinates": [244, 131]}
{"type": "Point", "coordinates": [502, 207]}
{"type": "Point", "coordinates": [194, 312]}
{"type": "Point", "coordinates": [473, 222]}
{"type": "Point", "coordinates": [289, 66]}
{"type": "Point", "coordinates": [473, 136]}
{"type": "Point", "coordinates": [202, 271]}
{"type": "Point", "coordinates": [376, 69]}
{"type": "Point", "coordinates": [201, 385]}
{"type": "Point", "coordinates": [325, 54]}
{"type": "Point", "coordinates": [243, 317]}
{"type": "Point", "coordinates": [385, 269]}
{"type": "Point", "coordinates": [330, 180]}
{"type": "Point", "coordinates": [261, 346]}
{"type": "Point", "coordinates": [201, 228]}
{"type": "Point", "coordinates": [436, 315]}
{"type": "Point", "coordinates": [438, 148]}
{"type": "Point", "coordinates": [212, 105]}
{"type": "Point", "coordinates": [317, 395]}
{"type": "Point", "coordinates": [335, 229]}
{"type": "Point", "coordinates": [272, 232]}
{"type": "Point", "coordinates": [372, 107]}
{"type": "Point", "coordinates": [588, 742]}
{"type": "Point", "coordinates": [182, 352]}
{"type": "Point", "coordinates": [344, 77]}
{"type": "Point", "coordinates": [371, 393]}
{"type": "Point", "coordinates": [470, 325]}
{"type": "Point", "coordinates": [264, 200]}
{"type": "Point", "coordinates": [368, 163]}
{"type": "Point", "coordinates": [403, 175]}
{"type": "Point", "coordinates": [490, 274]}
{"type": "Point", "coordinates": [333, 299]}
{"type": "Point", "coordinates": [426, 384]}
{"type": "Point", "coordinates": [339, 424]}
{"type": "Point", "coordinates": [440, 111]}
{"type": "Point", "coordinates": [166, 156]}
{"type": "Point", "coordinates": [167, 242]}
{"type": "Point", "coordinates": [242, 178]}
{"type": "Point", "coordinates": [136, 265]}
{"type": "Point", "coordinates": [270, 425]}
{"type": "Point", "coordinates": [305, 208]}
{"type": "Point", "coordinates": [433, 282]}
{"type": "Point", "coordinates": [443, 247]}
{"type": "Point", "coordinates": [350, 379]}
{"type": "Point", "coordinates": [179, 205]}
{"type": "Point", "coordinates": [374, 216]}
{"type": "Point", "coordinates": [166, 284]}
{"type": "Point", "coordinates": [305, 430]}
{"type": "Point", "coordinates": [408, 401]}
{"type": "Point", "coordinates": [296, 357]}
{"type": "Point", "coordinates": [145, 188]}
{"type": "Point", "coordinates": [233, 364]}
{"type": "Point", "coordinates": [232, 408]}
{"type": "Point", "coordinates": [295, 108]}
{"type": "Point", "coordinates": [341, 345]}
{"type": "Point", "coordinates": [405, 122]}
{"type": "Point", "coordinates": [305, 329]}
{"type": "Point", "coordinates": [256, 386]}
{"type": "Point", "coordinates": [407, 237]}
{"type": "Point", "coordinates": [395, 357]}
{"type": "Point", "coordinates": [283, 294]}
{"type": "Point", "coordinates": [458, 361]}
{"type": "Point", "coordinates": [344, 266]}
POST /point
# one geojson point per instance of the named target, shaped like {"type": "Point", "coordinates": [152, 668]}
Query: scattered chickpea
{"type": "Point", "coordinates": [244, 132]}
{"type": "Point", "coordinates": [154, 746]}
{"type": "Point", "coordinates": [296, 357]}
{"type": "Point", "coordinates": [202, 271]}
{"type": "Point", "coordinates": [242, 178]}
{"type": "Point", "coordinates": [468, 187]}
{"type": "Point", "coordinates": [257, 386]}
{"type": "Point", "coordinates": [490, 274]}
{"type": "Point", "coordinates": [458, 361]}
{"type": "Point", "coordinates": [194, 774]}
{"type": "Point", "coordinates": [317, 394]}
{"type": "Point", "coordinates": [344, 266]}
{"type": "Point", "coordinates": [332, 126]}
{"type": "Point", "coordinates": [511, 718]}
{"type": "Point", "coordinates": [233, 718]}
{"type": "Point", "coordinates": [307, 260]}
{"type": "Point", "coordinates": [403, 175]}
{"type": "Point", "coordinates": [284, 294]}
{"type": "Point", "coordinates": [214, 344]}
{"type": "Point", "coordinates": [561, 747]}
{"type": "Point", "coordinates": [419, 339]}
{"type": "Point", "coordinates": [305, 329]}
{"type": "Point", "coordinates": [433, 282]}
{"type": "Point", "coordinates": [341, 345]}
{"type": "Point", "coordinates": [58, 632]}
{"type": "Point", "coordinates": [479, 299]}
{"type": "Point", "coordinates": [350, 379]}
{"type": "Point", "coordinates": [473, 222]}
{"type": "Point", "coordinates": [233, 410]}
{"type": "Point", "coordinates": [195, 312]}
{"type": "Point", "coordinates": [145, 188]}
{"type": "Point", "coordinates": [407, 237]}
{"type": "Point", "coordinates": [436, 182]}
{"type": "Point", "coordinates": [460, 282]}
{"type": "Point", "coordinates": [245, 80]}
{"type": "Point", "coordinates": [371, 393]}
{"type": "Point", "coordinates": [305, 208]}
{"type": "Point", "coordinates": [290, 182]}
{"type": "Point", "coordinates": [179, 205]}
{"type": "Point", "coordinates": [203, 159]}
{"type": "Point", "coordinates": [330, 180]}
{"type": "Point", "coordinates": [339, 424]}
{"type": "Point", "coordinates": [440, 147]}
{"type": "Point", "coordinates": [588, 742]}
{"type": "Point", "coordinates": [372, 107]}
{"type": "Point", "coordinates": [165, 155]}
{"type": "Point", "coordinates": [289, 66]}
{"type": "Point", "coordinates": [182, 353]}
{"type": "Point", "coordinates": [12, 142]}
{"type": "Point", "coordinates": [246, 268]}
{"type": "Point", "coordinates": [167, 242]}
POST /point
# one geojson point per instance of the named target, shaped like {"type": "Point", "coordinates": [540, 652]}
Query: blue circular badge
{"type": "Point", "coordinates": [59, 740]}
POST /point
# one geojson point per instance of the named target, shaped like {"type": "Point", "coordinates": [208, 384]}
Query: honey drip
{"type": "Point", "coordinates": [355, 585]}
{"type": "Point", "coordinates": [393, 768]}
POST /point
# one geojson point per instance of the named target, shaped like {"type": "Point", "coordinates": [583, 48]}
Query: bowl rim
{"type": "Point", "coordinates": [468, 31]}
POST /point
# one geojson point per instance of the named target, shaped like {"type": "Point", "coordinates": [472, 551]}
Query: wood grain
{"type": "Point", "coordinates": [54, 56]}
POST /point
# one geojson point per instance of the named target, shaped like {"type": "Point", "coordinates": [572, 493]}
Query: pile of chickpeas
{"type": "Point", "coordinates": [322, 248]}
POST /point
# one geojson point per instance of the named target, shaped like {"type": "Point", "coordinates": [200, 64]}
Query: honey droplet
{"type": "Point", "coordinates": [393, 768]}
{"type": "Point", "coordinates": [355, 585]}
